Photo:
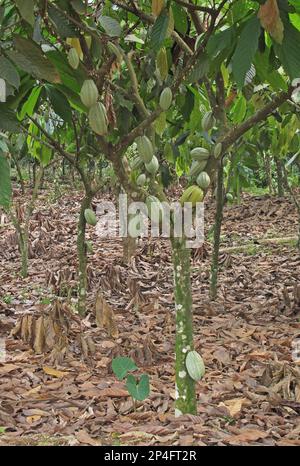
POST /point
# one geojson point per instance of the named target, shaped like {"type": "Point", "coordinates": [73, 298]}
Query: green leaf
{"type": "Point", "coordinates": [139, 391]}
{"type": "Point", "coordinates": [5, 182]}
{"type": "Point", "coordinates": [26, 9]}
{"type": "Point", "coordinates": [180, 18]}
{"type": "Point", "coordinates": [220, 41]}
{"type": "Point", "coordinates": [111, 26]}
{"type": "Point", "coordinates": [30, 58]}
{"type": "Point", "coordinates": [30, 103]}
{"type": "Point", "coordinates": [239, 110]}
{"type": "Point", "coordinates": [63, 26]}
{"type": "Point", "coordinates": [8, 120]}
{"type": "Point", "coordinates": [121, 366]}
{"type": "Point", "coordinates": [9, 72]}
{"type": "Point", "coordinates": [289, 51]}
{"type": "Point", "coordinates": [245, 50]}
{"type": "Point", "coordinates": [159, 31]}
{"type": "Point", "coordinates": [60, 104]}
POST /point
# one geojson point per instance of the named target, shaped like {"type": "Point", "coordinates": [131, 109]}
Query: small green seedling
{"type": "Point", "coordinates": [138, 387]}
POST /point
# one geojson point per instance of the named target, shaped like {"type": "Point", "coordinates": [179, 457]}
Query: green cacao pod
{"type": "Point", "coordinates": [208, 121]}
{"type": "Point", "coordinates": [73, 58]}
{"type": "Point", "coordinates": [192, 194]}
{"type": "Point", "coordinates": [196, 168]}
{"type": "Point", "coordinates": [90, 217]}
{"type": "Point", "coordinates": [145, 148]}
{"type": "Point", "coordinates": [136, 163]}
{"type": "Point", "coordinates": [186, 194]}
{"type": "Point", "coordinates": [134, 226]}
{"type": "Point", "coordinates": [166, 98]}
{"type": "Point", "coordinates": [89, 93]}
{"type": "Point", "coordinates": [98, 119]}
{"type": "Point", "coordinates": [153, 166]}
{"type": "Point", "coordinates": [218, 150]}
{"type": "Point", "coordinates": [199, 153]}
{"type": "Point", "coordinates": [195, 365]}
{"type": "Point", "coordinates": [141, 180]}
{"type": "Point", "coordinates": [229, 197]}
{"type": "Point", "coordinates": [203, 180]}
{"type": "Point", "coordinates": [115, 50]}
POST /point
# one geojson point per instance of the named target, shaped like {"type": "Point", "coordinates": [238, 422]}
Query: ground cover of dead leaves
{"type": "Point", "coordinates": [251, 391]}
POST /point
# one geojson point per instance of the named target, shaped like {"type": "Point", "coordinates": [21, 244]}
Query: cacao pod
{"type": "Point", "coordinates": [208, 121]}
{"type": "Point", "coordinates": [141, 180]}
{"type": "Point", "coordinates": [136, 163]}
{"type": "Point", "coordinates": [199, 153]}
{"type": "Point", "coordinates": [196, 168]}
{"type": "Point", "coordinates": [90, 217]}
{"type": "Point", "coordinates": [217, 150]}
{"type": "Point", "coordinates": [145, 148]}
{"type": "Point", "coordinates": [203, 180]}
{"type": "Point", "coordinates": [192, 194]}
{"type": "Point", "coordinates": [98, 119]}
{"type": "Point", "coordinates": [195, 365]}
{"type": "Point", "coordinates": [153, 166]}
{"type": "Point", "coordinates": [134, 226]}
{"type": "Point", "coordinates": [73, 58]}
{"type": "Point", "coordinates": [166, 98]}
{"type": "Point", "coordinates": [115, 50]}
{"type": "Point", "coordinates": [229, 197]}
{"type": "Point", "coordinates": [186, 194]}
{"type": "Point", "coordinates": [89, 93]}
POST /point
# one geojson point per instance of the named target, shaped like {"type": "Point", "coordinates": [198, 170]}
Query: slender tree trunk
{"type": "Point", "coordinates": [294, 199]}
{"type": "Point", "coordinates": [185, 386]}
{"type": "Point", "coordinates": [217, 234]}
{"type": "Point", "coordinates": [280, 182]}
{"type": "Point", "coordinates": [16, 162]}
{"type": "Point", "coordinates": [82, 255]}
{"type": "Point", "coordinates": [268, 169]}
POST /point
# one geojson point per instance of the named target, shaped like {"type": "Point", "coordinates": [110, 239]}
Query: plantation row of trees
{"type": "Point", "coordinates": [206, 92]}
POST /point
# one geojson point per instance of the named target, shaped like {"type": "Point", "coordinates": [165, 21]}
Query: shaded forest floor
{"type": "Point", "coordinates": [250, 394]}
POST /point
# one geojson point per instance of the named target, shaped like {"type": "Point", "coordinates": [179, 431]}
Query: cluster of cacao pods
{"type": "Point", "coordinates": [145, 156]}
{"type": "Point", "coordinates": [200, 157]}
{"type": "Point", "coordinates": [97, 113]}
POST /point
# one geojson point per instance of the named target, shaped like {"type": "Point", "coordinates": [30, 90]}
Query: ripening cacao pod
{"type": "Point", "coordinates": [218, 150]}
{"type": "Point", "coordinates": [208, 121]}
{"type": "Point", "coordinates": [145, 148]}
{"type": "Point", "coordinates": [199, 153]}
{"type": "Point", "coordinates": [141, 180]}
{"type": "Point", "coordinates": [89, 93]}
{"type": "Point", "coordinates": [90, 217]}
{"type": "Point", "coordinates": [186, 194]}
{"type": "Point", "coordinates": [195, 365]}
{"type": "Point", "coordinates": [192, 194]}
{"type": "Point", "coordinates": [153, 166]}
{"type": "Point", "coordinates": [166, 98]}
{"type": "Point", "coordinates": [98, 119]}
{"type": "Point", "coordinates": [73, 58]}
{"type": "Point", "coordinates": [203, 180]}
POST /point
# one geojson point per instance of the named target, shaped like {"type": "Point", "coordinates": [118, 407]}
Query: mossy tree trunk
{"type": "Point", "coordinates": [185, 386]}
{"type": "Point", "coordinates": [280, 178]}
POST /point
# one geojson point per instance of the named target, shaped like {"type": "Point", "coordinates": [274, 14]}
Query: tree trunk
{"type": "Point", "coordinates": [82, 255]}
{"type": "Point", "coordinates": [185, 386]}
{"type": "Point", "coordinates": [280, 181]}
{"type": "Point", "coordinates": [217, 234]}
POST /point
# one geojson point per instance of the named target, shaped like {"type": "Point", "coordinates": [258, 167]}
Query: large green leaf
{"type": "Point", "coordinates": [180, 18]}
{"type": "Point", "coordinates": [288, 52]}
{"type": "Point", "coordinates": [111, 26]}
{"type": "Point", "coordinates": [30, 103]}
{"type": "Point", "coordinates": [159, 30]}
{"type": "Point", "coordinates": [64, 27]}
{"type": "Point", "coordinates": [139, 391]}
{"type": "Point", "coordinates": [5, 182]}
{"type": "Point", "coordinates": [245, 50]}
{"type": "Point", "coordinates": [8, 119]}
{"type": "Point", "coordinates": [30, 58]}
{"type": "Point", "coordinates": [9, 72]}
{"type": "Point", "coordinates": [26, 9]}
{"type": "Point", "coordinates": [60, 104]}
